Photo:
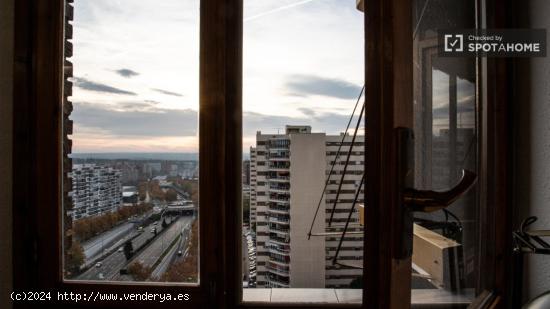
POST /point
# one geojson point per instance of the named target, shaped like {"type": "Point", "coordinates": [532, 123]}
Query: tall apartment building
{"type": "Point", "coordinates": [96, 189]}
{"type": "Point", "coordinates": [287, 176]}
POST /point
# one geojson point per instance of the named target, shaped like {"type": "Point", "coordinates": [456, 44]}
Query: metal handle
{"type": "Point", "coordinates": [411, 200]}
{"type": "Point", "coordinates": [430, 201]}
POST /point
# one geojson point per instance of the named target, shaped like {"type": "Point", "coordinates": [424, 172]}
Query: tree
{"type": "Point", "coordinates": [142, 190]}
{"type": "Point", "coordinates": [75, 257]}
{"type": "Point", "coordinates": [82, 229]}
{"type": "Point", "coordinates": [171, 195]}
{"type": "Point", "coordinates": [139, 272]}
{"type": "Point", "coordinates": [128, 249]}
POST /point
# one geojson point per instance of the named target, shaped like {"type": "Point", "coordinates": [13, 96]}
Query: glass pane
{"type": "Point", "coordinates": [445, 144]}
{"type": "Point", "coordinates": [303, 76]}
{"type": "Point", "coordinates": [131, 175]}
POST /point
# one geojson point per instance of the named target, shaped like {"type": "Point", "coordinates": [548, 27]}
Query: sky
{"type": "Point", "coordinates": [136, 71]}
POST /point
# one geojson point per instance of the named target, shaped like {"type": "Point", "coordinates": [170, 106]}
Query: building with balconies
{"type": "Point", "coordinates": [287, 176]}
{"type": "Point", "coordinates": [95, 190]}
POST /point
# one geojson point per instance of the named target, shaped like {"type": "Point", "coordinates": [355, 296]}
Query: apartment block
{"type": "Point", "coordinates": [287, 176]}
{"type": "Point", "coordinates": [96, 189]}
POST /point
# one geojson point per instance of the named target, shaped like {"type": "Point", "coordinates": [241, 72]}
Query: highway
{"type": "Point", "coordinates": [153, 252]}
{"type": "Point", "coordinates": [98, 244]}
{"type": "Point", "coordinates": [112, 263]}
{"type": "Point", "coordinates": [171, 257]}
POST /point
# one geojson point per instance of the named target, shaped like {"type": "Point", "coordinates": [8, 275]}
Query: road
{"type": "Point", "coordinates": [154, 251]}
{"type": "Point", "coordinates": [98, 244]}
{"type": "Point", "coordinates": [112, 263]}
{"type": "Point", "coordinates": [171, 257]}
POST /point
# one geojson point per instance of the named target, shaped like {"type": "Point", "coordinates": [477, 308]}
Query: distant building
{"type": "Point", "coordinates": [287, 175]}
{"type": "Point", "coordinates": [189, 169]}
{"type": "Point", "coordinates": [130, 173]}
{"type": "Point", "coordinates": [96, 190]}
{"type": "Point", "coordinates": [173, 170]}
{"type": "Point", "coordinates": [151, 169]}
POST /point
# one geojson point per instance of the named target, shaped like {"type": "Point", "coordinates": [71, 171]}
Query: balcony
{"type": "Point", "coordinates": [279, 167]}
{"type": "Point", "coordinates": [279, 240]}
{"type": "Point", "coordinates": [278, 280]}
{"type": "Point", "coordinates": [278, 209]}
{"type": "Point", "coordinates": [279, 220]}
{"type": "Point", "coordinates": [279, 200]}
{"type": "Point", "coordinates": [279, 261]}
{"type": "Point", "coordinates": [279, 231]}
{"type": "Point", "coordinates": [280, 271]}
{"type": "Point", "coordinates": [279, 179]}
{"type": "Point", "coordinates": [279, 145]}
{"type": "Point", "coordinates": [281, 249]}
{"type": "Point", "coordinates": [282, 187]}
{"type": "Point", "coordinates": [279, 156]}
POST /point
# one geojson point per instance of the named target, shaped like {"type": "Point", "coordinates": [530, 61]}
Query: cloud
{"type": "Point", "coordinates": [83, 83]}
{"type": "Point", "coordinates": [167, 92]}
{"type": "Point", "coordinates": [134, 106]}
{"type": "Point", "coordinates": [465, 104]}
{"type": "Point", "coordinates": [307, 111]}
{"type": "Point", "coordinates": [127, 73]}
{"type": "Point", "coordinates": [315, 85]}
{"type": "Point", "coordinates": [135, 120]}
{"type": "Point", "coordinates": [328, 123]}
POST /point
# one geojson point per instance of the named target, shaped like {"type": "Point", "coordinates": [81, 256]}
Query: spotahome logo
{"type": "Point", "coordinates": [454, 42]}
{"type": "Point", "coordinates": [492, 43]}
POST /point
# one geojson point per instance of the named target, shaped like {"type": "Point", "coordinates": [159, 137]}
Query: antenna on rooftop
{"type": "Point", "coordinates": [278, 129]}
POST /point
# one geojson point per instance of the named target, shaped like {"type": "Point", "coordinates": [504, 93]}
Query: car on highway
{"type": "Point", "coordinates": [120, 249]}
{"type": "Point", "coordinates": [180, 252]}
{"type": "Point", "coordinates": [98, 264]}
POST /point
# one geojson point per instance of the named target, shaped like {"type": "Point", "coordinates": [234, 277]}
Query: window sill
{"type": "Point", "coordinates": [420, 297]}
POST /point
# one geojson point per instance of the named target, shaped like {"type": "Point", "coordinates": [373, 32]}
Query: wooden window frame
{"type": "Point", "coordinates": [37, 164]}
{"type": "Point", "coordinates": [38, 152]}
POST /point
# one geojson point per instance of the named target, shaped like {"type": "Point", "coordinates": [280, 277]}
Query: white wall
{"type": "Point", "coordinates": [307, 178]}
{"type": "Point", "coordinates": [6, 85]}
{"type": "Point", "coordinates": [532, 143]}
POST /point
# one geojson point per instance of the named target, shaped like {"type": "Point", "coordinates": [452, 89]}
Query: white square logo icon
{"type": "Point", "coordinates": [454, 43]}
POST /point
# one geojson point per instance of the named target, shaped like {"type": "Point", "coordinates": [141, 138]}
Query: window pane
{"type": "Point", "coordinates": [303, 76]}
{"type": "Point", "coordinates": [445, 144]}
{"type": "Point", "coordinates": [131, 109]}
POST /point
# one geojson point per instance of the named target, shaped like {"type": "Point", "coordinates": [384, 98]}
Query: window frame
{"type": "Point", "coordinates": [38, 148]}
{"type": "Point", "coordinates": [39, 142]}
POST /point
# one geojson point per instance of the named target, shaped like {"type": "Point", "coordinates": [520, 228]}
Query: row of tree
{"type": "Point", "coordinates": [87, 228]}
{"type": "Point", "coordinates": [185, 270]}
{"type": "Point", "coordinates": [74, 258]}
{"type": "Point", "coordinates": [157, 193]}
